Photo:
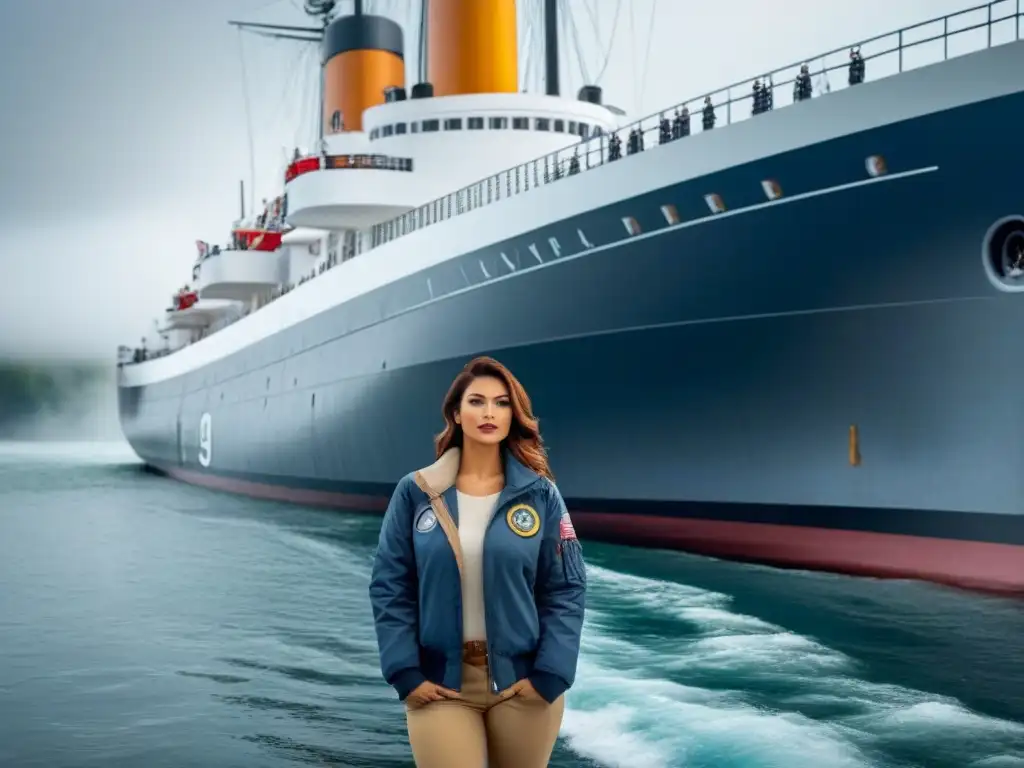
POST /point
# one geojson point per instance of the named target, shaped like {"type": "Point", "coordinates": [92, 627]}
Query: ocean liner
{"type": "Point", "coordinates": [776, 326]}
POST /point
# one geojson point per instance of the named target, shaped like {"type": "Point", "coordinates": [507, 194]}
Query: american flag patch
{"type": "Point", "coordinates": [565, 529]}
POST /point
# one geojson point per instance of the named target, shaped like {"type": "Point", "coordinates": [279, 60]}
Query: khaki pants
{"type": "Point", "coordinates": [482, 731]}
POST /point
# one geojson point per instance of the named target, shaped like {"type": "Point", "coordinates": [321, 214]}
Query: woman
{"type": "Point", "coordinates": [478, 585]}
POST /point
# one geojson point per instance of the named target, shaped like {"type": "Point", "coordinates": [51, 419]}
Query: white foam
{"type": "Point", "coordinates": [627, 708]}
{"type": "Point", "coordinates": [112, 452]}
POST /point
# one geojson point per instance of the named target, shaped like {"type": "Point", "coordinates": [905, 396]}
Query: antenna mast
{"type": "Point", "coordinates": [551, 47]}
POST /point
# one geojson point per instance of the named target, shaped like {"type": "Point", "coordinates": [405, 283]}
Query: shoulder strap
{"type": "Point", "coordinates": [444, 517]}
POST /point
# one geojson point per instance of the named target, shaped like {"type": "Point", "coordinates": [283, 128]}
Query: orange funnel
{"type": "Point", "coordinates": [472, 46]}
{"type": "Point", "coordinates": [362, 55]}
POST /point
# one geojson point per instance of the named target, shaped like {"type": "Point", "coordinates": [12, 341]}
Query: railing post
{"type": "Point", "coordinates": [900, 46]}
{"type": "Point", "coordinates": [990, 25]}
{"type": "Point", "coordinates": [728, 106]}
{"type": "Point", "coordinates": [945, 38]}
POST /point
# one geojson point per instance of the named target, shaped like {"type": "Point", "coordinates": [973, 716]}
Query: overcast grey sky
{"type": "Point", "coordinates": [124, 133]}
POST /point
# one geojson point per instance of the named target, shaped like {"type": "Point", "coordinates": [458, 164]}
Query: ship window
{"type": "Point", "coordinates": [400, 128]}
{"type": "Point", "coordinates": [584, 130]}
{"type": "Point", "coordinates": [521, 123]}
{"type": "Point", "coordinates": [430, 126]}
{"type": "Point", "coordinates": [595, 131]}
{"type": "Point", "coordinates": [387, 130]}
{"type": "Point", "coordinates": [453, 124]}
{"type": "Point", "coordinates": [475, 123]}
{"type": "Point", "coordinates": [559, 126]}
{"type": "Point", "coordinates": [374, 133]}
{"type": "Point", "coordinates": [414, 127]}
{"type": "Point", "coordinates": [572, 126]}
{"type": "Point", "coordinates": [543, 124]}
{"type": "Point", "coordinates": [498, 122]}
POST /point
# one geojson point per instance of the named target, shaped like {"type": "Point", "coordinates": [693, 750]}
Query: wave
{"type": "Point", "coordinates": [712, 687]}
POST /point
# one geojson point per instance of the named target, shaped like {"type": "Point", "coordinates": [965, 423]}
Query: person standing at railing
{"type": "Point", "coordinates": [802, 87]}
{"type": "Point", "coordinates": [681, 123]}
{"type": "Point", "coordinates": [614, 147]}
{"type": "Point", "coordinates": [664, 130]}
{"type": "Point", "coordinates": [574, 163]}
{"type": "Point", "coordinates": [856, 67]}
{"type": "Point", "coordinates": [757, 99]}
{"type": "Point", "coordinates": [709, 114]}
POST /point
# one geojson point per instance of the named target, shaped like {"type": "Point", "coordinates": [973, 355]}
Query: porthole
{"type": "Point", "coordinates": [1002, 254]}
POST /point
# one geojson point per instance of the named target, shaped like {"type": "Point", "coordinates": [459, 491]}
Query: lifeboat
{"type": "Point", "coordinates": [184, 299]}
{"type": "Point", "coordinates": [256, 239]}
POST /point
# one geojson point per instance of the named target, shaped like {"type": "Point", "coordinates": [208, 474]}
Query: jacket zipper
{"type": "Point", "coordinates": [491, 682]}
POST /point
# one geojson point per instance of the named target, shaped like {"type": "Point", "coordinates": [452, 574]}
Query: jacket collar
{"type": "Point", "coordinates": [440, 476]}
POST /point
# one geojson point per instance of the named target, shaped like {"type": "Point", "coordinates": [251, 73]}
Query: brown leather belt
{"type": "Point", "coordinates": [474, 653]}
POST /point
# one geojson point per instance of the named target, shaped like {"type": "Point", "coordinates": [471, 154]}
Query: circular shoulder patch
{"type": "Point", "coordinates": [523, 520]}
{"type": "Point", "coordinates": [426, 520]}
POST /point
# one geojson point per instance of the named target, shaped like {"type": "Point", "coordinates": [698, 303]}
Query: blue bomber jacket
{"type": "Point", "coordinates": [534, 583]}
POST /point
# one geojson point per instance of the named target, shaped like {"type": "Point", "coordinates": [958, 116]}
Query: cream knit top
{"type": "Point", "coordinates": [475, 514]}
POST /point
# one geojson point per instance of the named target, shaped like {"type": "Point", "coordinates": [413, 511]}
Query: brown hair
{"type": "Point", "coordinates": [523, 441]}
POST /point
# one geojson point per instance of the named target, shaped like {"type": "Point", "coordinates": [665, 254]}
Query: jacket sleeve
{"type": "Point", "coordinates": [394, 595]}
{"type": "Point", "coordinates": [561, 597]}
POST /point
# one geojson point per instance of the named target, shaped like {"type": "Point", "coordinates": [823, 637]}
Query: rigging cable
{"type": "Point", "coordinates": [248, 120]}
{"type": "Point", "coordinates": [647, 55]}
{"type": "Point", "coordinates": [611, 43]}
{"type": "Point", "coordinates": [571, 24]}
{"type": "Point", "coordinates": [524, 45]}
{"type": "Point", "coordinates": [306, 125]}
{"type": "Point", "coordinates": [540, 46]}
{"type": "Point", "coordinates": [592, 15]}
{"type": "Point", "coordinates": [632, 47]}
{"type": "Point", "coordinates": [298, 66]}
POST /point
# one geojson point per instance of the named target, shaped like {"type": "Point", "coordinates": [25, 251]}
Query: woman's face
{"type": "Point", "coordinates": [485, 412]}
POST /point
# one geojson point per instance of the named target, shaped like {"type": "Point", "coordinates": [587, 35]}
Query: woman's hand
{"type": "Point", "coordinates": [427, 692]}
{"type": "Point", "coordinates": [524, 690]}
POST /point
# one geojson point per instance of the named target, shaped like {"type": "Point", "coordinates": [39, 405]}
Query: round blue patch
{"type": "Point", "coordinates": [426, 520]}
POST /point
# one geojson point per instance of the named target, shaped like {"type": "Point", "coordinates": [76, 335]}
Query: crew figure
{"type": "Point", "coordinates": [664, 130]}
{"type": "Point", "coordinates": [856, 67]}
{"type": "Point", "coordinates": [802, 88]}
{"type": "Point", "coordinates": [633, 144]}
{"type": "Point", "coordinates": [681, 123]}
{"type": "Point", "coordinates": [709, 114]}
{"type": "Point", "coordinates": [614, 147]}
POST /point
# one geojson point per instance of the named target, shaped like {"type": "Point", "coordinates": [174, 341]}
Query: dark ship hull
{"type": "Point", "coordinates": [697, 381]}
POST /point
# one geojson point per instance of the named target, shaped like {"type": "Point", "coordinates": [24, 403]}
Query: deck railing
{"type": "Point", "coordinates": [325, 162]}
{"type": "Point", "coordinates": [927, 42]}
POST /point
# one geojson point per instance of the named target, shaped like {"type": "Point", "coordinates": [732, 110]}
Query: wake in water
{"type": "Point", "coordinates": [691, 683]}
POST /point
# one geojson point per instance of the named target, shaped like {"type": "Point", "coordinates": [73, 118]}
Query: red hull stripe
{"type": "Point", "coordinates": [976, 565]}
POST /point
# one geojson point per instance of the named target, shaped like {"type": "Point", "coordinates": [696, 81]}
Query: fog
{"type": "Point", "coordinates": [68, 402]}
{"type": "Point", "coordinates": [124, 131]}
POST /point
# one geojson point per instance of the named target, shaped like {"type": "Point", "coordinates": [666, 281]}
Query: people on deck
{"type": "Point", "coordinates": [681, 123]}
{"type": "Point", "coordinates": [802, 87]}
{"type": "Point", "coordinates": [856, 66]}
{"type": "Point", "coordinates": [478, 585]}
{"type": "Point", "coordinates": [708, 119]}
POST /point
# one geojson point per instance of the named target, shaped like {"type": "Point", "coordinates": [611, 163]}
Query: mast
{"type": "Point", "coordinates": [551, 47]}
